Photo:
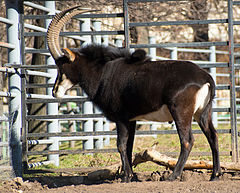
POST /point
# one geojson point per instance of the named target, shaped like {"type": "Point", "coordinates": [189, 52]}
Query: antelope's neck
{"type": "Point", "coordinates": [89, 78]}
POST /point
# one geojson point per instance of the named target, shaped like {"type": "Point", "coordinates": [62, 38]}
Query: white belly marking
{"type": "Point", "coordinates": [161, 115]}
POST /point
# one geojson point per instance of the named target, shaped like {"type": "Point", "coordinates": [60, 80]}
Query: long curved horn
{"type": "Point", "coordinates": [55, 27]}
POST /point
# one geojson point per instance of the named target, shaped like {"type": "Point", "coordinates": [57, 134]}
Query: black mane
{"type": "Point", "coordinates": [103, 54]}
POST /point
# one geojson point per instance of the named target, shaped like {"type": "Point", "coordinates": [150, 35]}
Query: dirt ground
{"type": "Point", "coordinates": [197, 181]}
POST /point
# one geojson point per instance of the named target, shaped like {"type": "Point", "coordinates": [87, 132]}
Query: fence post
{"type": "Point", "coordinates": [119, 42]}
{"type": "Point", "coordinates": [174, 53]}
{"type": "Point", "coordinates": [13, 9]}
{"type": "Point", "coordinates": [233, 111]}
{"type": "Point", "coordinates": [174, 56]}
{"type": "Point", "coordinates": [97, 27]}
{"type": "Point", "coordinates": [105, 40]}
{"type": "Point", "coordinates": [105, 121]}
{"type": "Point", "coordinates": [85, 26]}
{"type": "Point", "coordinates": [87, 106]}
{"type": "Point", "coordinates": [52, 108]}
{"type": "Point", "coordinates": [152, 51]}
{"type": "Point", "coordinates": [98, 123]}
{"type": "Point", "coordinates": [213, 74]}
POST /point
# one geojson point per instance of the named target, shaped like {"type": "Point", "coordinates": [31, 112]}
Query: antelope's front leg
{"type": "Point", "coordinates": [122, 141]}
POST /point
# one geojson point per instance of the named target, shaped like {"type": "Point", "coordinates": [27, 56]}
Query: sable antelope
{"type": "Point", "coordinates": [129, 87]}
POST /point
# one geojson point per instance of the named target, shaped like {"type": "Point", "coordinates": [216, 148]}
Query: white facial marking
{"type": "Point", "coordinates": [65, 85]}
{"type": "Point", "coordinates": [161, 115]}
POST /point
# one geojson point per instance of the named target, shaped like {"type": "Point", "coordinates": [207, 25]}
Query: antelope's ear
{"type": "Point", "coordinates": [69, 54]}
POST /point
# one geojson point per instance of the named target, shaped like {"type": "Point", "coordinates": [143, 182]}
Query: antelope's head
{"type": "Point", "coordinates": [64, 58]}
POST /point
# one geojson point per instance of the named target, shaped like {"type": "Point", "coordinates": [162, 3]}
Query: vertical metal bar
{"type": "Point", "coordinates": [98, 124]}
{"type": "Point", "coordinates": [152, 51]}
{"type": "Point", "coordinates": [106, 127]}
{"type": "Point", "coordinates": [23, 98]}
{"type": "Point", "coordinates": [126, 23]}
{"type": "Point", "coordinates": [118, 42]}
{"type": "Point", "coordinates": [88, 125]}
{"type": "Point", "coordinates": [87, 106]}
{"type": "Point", "coordinates": [213, 74]}
{"type": "Point", "coordinates": [105, 121]}
{"type": "Point", "coordinates": [174, 54]}
{"type": "Point", "coordinates": [233, 112]}
{"type": "Point", "coordinates": [98, 127]}
{"type": "Point", "coordinates": [85, 26]}
{"type": "Point", "coordinates": [12, 12]}
{"type": "Point", "coordinates": [97, 27]}
{"type": "Point", "coordinates": [105, 40]}
{"type": "Point", "coordinates": [52, 108]}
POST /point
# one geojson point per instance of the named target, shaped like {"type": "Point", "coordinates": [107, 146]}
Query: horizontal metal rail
{"type": "Point", "coordinates": [236, 2]}
{"type": "Point", "coordinates": [173, 154]}
{"type": "Point", "coordinates": [7, 45]}
{"type": "Point", "coordinates": [41, 96]}
{"type": "Point", "coordinates": [102, 133]}
{"type": "Point", "coordinates": [237, 45]}
{"type": "Point", "coordinates": [218, 87]}
{"type": "Point", "coordinates": [6, 21]}
{"type": "Point", "coordinates": [141, 1]}
{"type": "Point", "coordinates": [221, 109]}
{"type": "Point", "coordinates": [28, 72]}
{"type": "Point", "coordinates": [32, 165]}
{"type": "Point", "coordinates": [39, 85]}
{"type": "Point", "coordinates": [63, 117]}
{"type": "Point", "coordinates": [211, 64]}
{"type": "Point", "coordinates": [56, 100]}
{"type": "Point", "coordinates": [40, 142]}
{"type": "Point", "coordinates": [88, 116]}
{"type": "Point", "coordinates": [80, 33]}
{"type": "Point", "coordinates": [4, 144]}
{"type": "Point", "coordinates": [222, 87]}
{"type": "Point", "coordinates": [33, 5]}
{"type": "Point", "coordinates": [107, 15]}
{"type": "Point", "coordinates": [190, 44]}
{"type": "Point", "coordinates": [189, 22]}
{"type": "Point", "coordinates": [36, 67]}
{"type": "Point", "coordinates": [7, 94]}
{"type": "Point", "coordinates": [60, 139]}
{"type": "Point", "coordinates": [193, 50]}
{"type": "Point", "coordinates": [47, 152]}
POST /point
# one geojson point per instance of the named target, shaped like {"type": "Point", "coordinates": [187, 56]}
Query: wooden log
{"type": "Point", "coordinates": [108, 172]}
{"type": "Point", "coordinates": [169, 162]}
{"type": "Point", "coordinates": [154, 156]}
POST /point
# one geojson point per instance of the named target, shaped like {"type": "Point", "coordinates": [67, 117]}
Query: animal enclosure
{"type": "Point", "coordinates": [89, 125]}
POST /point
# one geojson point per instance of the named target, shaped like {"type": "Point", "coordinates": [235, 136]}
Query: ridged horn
{"type": "Point", "coordinates": [55, 27]}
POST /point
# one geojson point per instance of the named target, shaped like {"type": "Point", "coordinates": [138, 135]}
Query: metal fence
{"type": "Point", "coordinates": [95, 128]}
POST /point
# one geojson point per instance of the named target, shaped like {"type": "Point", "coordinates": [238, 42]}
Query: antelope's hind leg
{"type": "Point", "coordinates": [182, 109]}
{"type": "Point", "coordinates": [209, 131]}
{"type": "Point", "coordinates": [186, 142]}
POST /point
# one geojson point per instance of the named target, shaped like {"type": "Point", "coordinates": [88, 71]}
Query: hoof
{"type": "Point", "coordinates": [216, 177]}
{"type": "Point", "coordinates": [172, 178]}
{"type": "Point", "coordinates": [127, 179]}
